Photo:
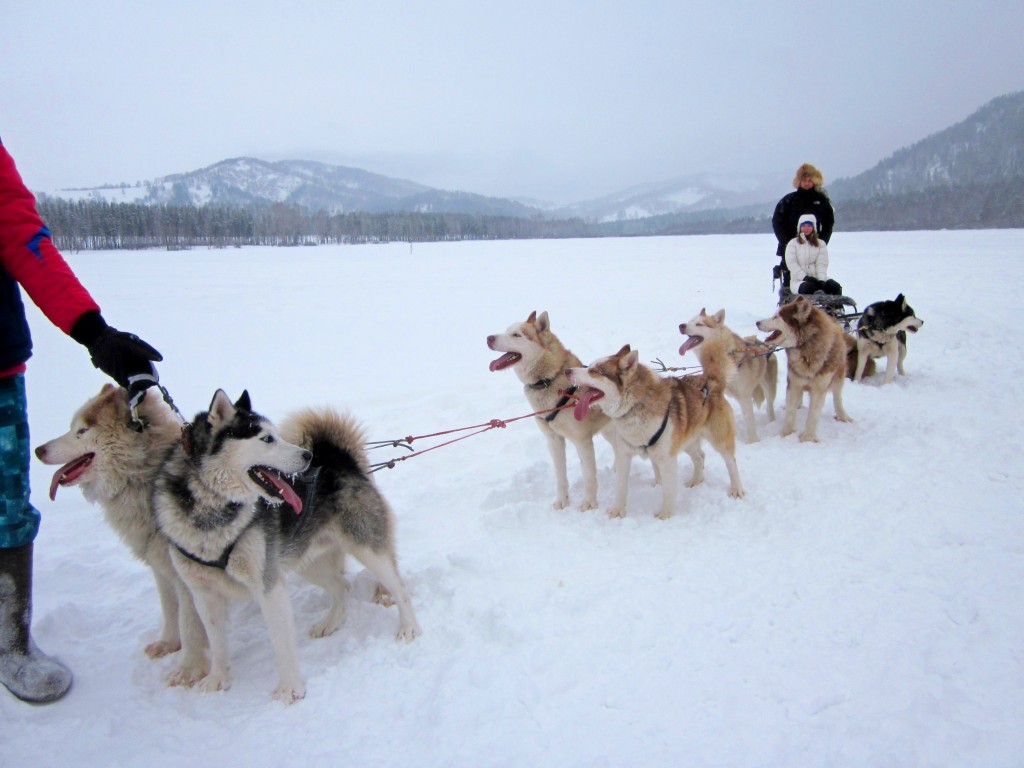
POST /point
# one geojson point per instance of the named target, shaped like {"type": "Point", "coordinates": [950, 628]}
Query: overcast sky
{"type": "Point", "coordinates": [560, 101]}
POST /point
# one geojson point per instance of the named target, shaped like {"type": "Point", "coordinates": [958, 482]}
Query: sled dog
{"type": "Point", "coordinates": [815, 361]}
{"type": "Point", "coordinates": [658, 417]}
{"type": "Point", "coordinates": [115, 467]}
{"type": "Point", "coordinates": [882, 332]}
{"type": "Point", "coordinates": [757, 371]}
{"type": "Point", "coordinates": [235, 523]}
{"type": "Point", "coordinates": [852, 357]}
{"type": "Point", "coordinates": [540, 361]}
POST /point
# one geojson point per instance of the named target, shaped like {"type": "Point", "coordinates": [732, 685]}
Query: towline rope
{"type": "Point", "coordinates": [406, 442]}
{"type": "Point", "coordinates": [747, 355]}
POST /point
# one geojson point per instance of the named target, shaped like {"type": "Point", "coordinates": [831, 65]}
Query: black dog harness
{"type": "Point", "coordinates": [221, 562]}
{"type": "Point", "coordinates": [544, 384]}
{"type": "Point", "coordinates": [304, 484]}
{"type": "Point", "coordinates": [658, 434]}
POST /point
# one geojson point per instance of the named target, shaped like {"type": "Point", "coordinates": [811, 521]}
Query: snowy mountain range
{"type": "Point", "coordinates": [988, 145]}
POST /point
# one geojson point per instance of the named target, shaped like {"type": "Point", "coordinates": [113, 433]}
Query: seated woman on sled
{"type": "Point", "coordinates": [807, 260]}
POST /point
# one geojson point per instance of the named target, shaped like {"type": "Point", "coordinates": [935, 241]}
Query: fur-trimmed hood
{"type": "Point", "coordinates": [808, 170]}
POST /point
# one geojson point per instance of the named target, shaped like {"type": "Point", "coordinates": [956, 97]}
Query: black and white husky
{"type": "Point", "coordinates": [229, 502]}
{"type": "Point", "coordinates": [882, 332]}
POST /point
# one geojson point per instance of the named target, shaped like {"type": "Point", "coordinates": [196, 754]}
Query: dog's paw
{"type": "Point", "coordinates": [560, 503]}
{"type": "Point", "coordinates": [693, 482]}
{"type": "Point", "coordinates": [737, 493]}
{"type": "Point", "coordinates": [786, 432]}
{"type": "Point", "coordinates": [187, 675]}
{"type": "Point", "coordinates": [409, 632]}
{"type": "Point", "coordinates": [289, 693]}
{"type": "Point", "coordinates": [587, 504]}
{"type": "Point", "coordinates": [617, 512]}
{"type": "Point", "coordinates": [324, 628]}
{"type": "Point", "coordinates": [664, 514]}
{"type": "Point", "coordinates": [212, 683]}
{"type": "Point", "coordinates": [381, 596]}
{"type": "Point", "coordinates": [808, 437]}
{"type": "Point", "coordinates": [161, 648]}
{"type": "Point", "coordinates": [844, 418]}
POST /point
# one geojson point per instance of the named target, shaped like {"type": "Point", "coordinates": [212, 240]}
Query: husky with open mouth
{"type": "Point", "coordinates": [882, 332]}
{"type": "Point", "coordinates": [816, 361]}
{"type": "Point", "coordinates": [535, 353]}
{"type": "Point", "coordinates": [657, 417]}
{"type": "Point", "coordinates": [757, 372]}
{"type": "Point", "coordinates": [242, 502]}
{"type": "Point", "coordinates": [116, 466]}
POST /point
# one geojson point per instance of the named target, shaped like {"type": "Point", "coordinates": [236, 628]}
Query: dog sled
{"type": "Point", "coordinates": [843, 309]}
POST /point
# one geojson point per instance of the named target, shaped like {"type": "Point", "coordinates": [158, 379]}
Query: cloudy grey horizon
{"type": "Point", "coordinates": [555, 101]}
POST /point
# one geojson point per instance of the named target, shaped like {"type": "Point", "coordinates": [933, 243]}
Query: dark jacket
{"type": "Point", "coordinates": [792, 206]}
{"type": "Point", "coordinates": [29, 259]}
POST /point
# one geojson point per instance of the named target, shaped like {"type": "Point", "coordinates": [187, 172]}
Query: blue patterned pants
{"type": "Point", "coordinates": [19, 520]}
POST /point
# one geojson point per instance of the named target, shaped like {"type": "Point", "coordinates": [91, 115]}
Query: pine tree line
{"type": "Point", "coordinates": [95, 225]}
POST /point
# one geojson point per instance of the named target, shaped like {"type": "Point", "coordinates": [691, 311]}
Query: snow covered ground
{"type": "Point", "coordinates": [860, 607]}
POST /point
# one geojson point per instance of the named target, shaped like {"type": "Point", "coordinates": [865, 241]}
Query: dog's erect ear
{"type": "Point", "coordinates": [243, 403]}
{"type": "Point", "coordinates": [627, 357]}
{"type": "Point", "coordinates": [720, 316]}
{"type": "Point", "coordinates": [532, 319]}
{"type": "Point", "coordinates": [802, 308]}
{"type": "Point", "coordinates": [543, 323]}
{"type": "Point", "coordinates": [221, 409]}
{"type": "Point", "coordinates": [902, 301]}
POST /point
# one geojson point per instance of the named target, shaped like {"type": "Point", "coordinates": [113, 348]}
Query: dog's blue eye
{"type": "Point", "coordinates": [267, 438]}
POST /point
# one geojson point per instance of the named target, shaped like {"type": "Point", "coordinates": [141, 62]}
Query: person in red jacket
{"type": "Point", "coordinates": [29, 259]}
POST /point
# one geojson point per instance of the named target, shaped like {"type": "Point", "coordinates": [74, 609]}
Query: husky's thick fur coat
{"type": "Point", "coordinates": [882, 332]}
{"type": "Point", "coordinates": [815, 361]}
{"type": "Point", "coordinates": [115, 466]}
{"type": "Point", "coordinates": [755, 378]}
{"type": "Point", "coordinates": [659, 417]}
{"type": "Point", "coordinates": [236, 523]}
{"type": "Point", "coordinates": [540, 361]}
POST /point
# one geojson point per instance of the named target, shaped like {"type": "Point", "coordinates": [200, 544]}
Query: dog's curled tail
{"type": "Point", "coordinates": [329, 435]}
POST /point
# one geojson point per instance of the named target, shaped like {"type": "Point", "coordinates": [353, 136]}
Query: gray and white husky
{"type": "Point", "coordinates": [229, 502]}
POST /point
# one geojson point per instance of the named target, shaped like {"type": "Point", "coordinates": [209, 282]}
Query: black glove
{"type": "Point", "coordinates": [124, 357]}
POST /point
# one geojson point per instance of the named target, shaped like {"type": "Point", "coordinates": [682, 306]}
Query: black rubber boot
{"type": "Point", "coordinates": [27, 672]}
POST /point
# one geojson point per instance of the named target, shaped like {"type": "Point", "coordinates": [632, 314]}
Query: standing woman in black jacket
{"type": "Point", "coordinates": [810, 197]}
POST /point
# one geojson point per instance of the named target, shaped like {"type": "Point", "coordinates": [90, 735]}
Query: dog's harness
{"type": "Point", "coordinates": [304, 484]}
{"type": "Point", "coordinates": [221, 562]}
{"type": "Point", "coordinates": [658, 434]}
{"type": "Point", "coordinates": [562, 402]}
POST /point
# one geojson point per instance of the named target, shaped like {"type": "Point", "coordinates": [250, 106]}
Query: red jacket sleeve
{"type": "Point", "coordinates": [27, 253]}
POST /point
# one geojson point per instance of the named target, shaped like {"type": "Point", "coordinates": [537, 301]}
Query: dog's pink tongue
{"type": "Point", "coordinates": [509, 358]}
{"type": "Point", "coordinates": [583, 402]}
{"type": "Point", "coordinates": [69, 472]}
{"type": "Point", "coordinates": [690, 343]}
{"type": "Point", "coordinates": [287, 492]}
